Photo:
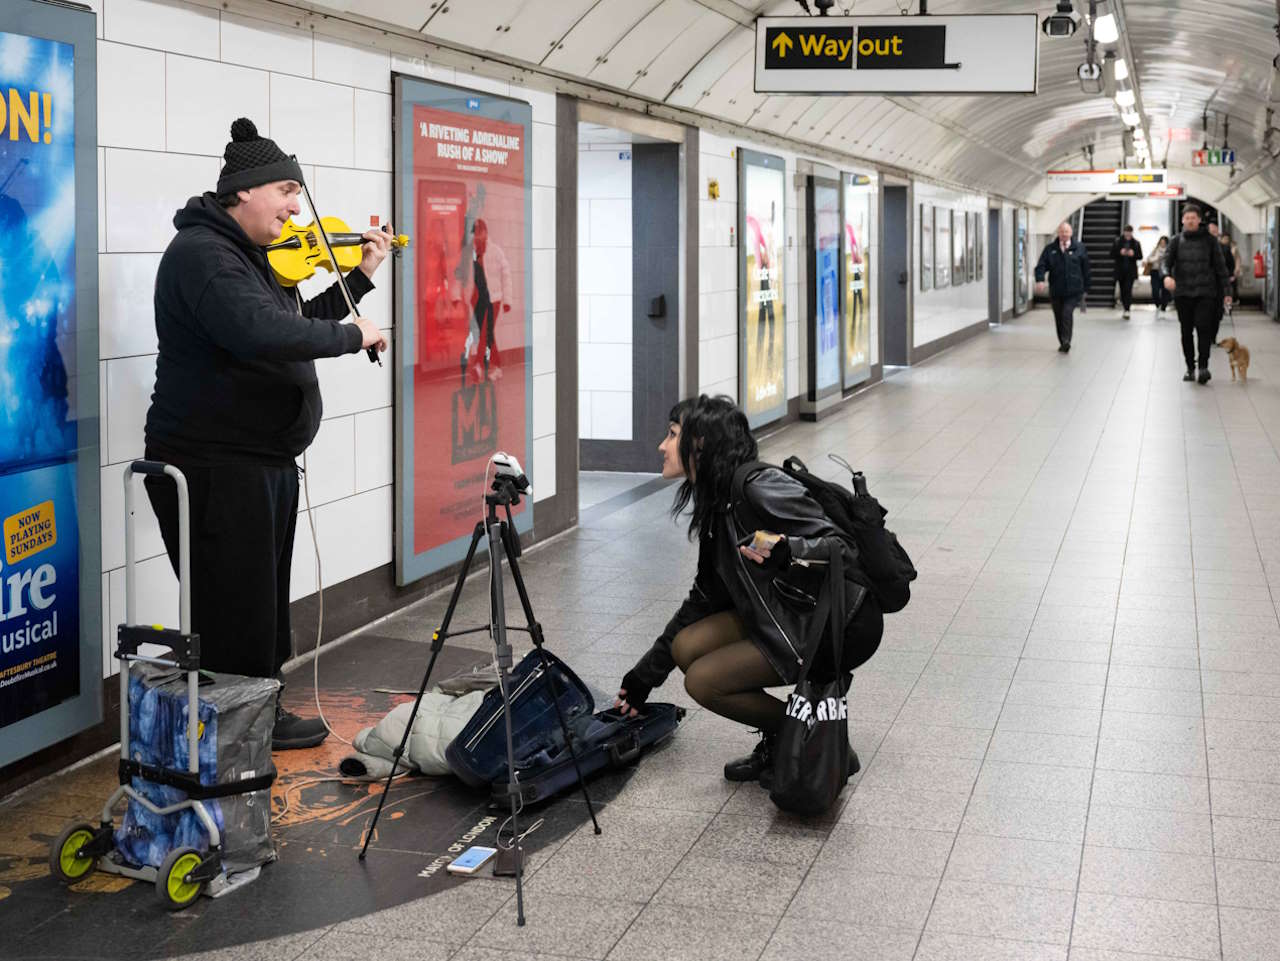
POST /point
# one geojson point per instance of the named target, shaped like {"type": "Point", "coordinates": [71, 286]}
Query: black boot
{"type": "Point", "coordinates": [755, 764]}
{"type": "Point", "coordinates": [292, 732]}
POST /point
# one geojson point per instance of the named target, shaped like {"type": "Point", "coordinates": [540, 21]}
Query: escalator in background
{"type": "Point", "coordinates": [1100, 225]}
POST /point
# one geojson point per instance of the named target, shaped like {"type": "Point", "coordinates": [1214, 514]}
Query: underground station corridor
{"type": "Point", "coordinates": [1068, 740]}
{"type": "Point", "coordinates": [639, 480]}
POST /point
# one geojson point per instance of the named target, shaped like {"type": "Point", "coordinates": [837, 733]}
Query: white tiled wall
{"type": "Point", "coordinates": [172, 76]}
{"type": "Point", "coordinates": [941, 312]}
{"type": "Point", "coordinates": [604, 290]}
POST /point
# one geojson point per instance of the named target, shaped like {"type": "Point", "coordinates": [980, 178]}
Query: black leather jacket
{"type": "Point", "coordinates": [775, 600]}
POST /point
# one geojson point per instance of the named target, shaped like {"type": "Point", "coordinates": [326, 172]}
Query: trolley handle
{"type": "Point", "coordinates": [153, 467]}
{"type": "Point", "coordinates": [128, 631]}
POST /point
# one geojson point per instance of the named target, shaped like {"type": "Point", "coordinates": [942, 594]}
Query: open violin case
{"type": "Point", "coordinates": [544, 765]}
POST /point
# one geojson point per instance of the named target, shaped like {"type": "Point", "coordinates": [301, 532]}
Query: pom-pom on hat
{"type": "Point", "coordinates": [253, 160]}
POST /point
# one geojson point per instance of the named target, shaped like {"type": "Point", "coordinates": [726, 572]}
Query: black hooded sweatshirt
{"type": "Point", "coordinates": [235, 377]}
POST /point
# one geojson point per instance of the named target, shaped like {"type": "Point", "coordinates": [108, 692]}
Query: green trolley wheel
{"type": "Point", "coordinates": [66, 860]}
{"type": "Point", "coordinates": [172, 887]}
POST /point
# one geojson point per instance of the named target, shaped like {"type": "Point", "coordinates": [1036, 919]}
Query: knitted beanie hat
{"type": "Point", "coordinates": [253, 160]}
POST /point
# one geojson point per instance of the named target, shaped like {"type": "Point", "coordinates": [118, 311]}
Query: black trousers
{"type": "Point", "coordinates": [1064, 310]}
{"type": "Point", "coordinates": [1126, 291]}
{"type": "Point", "coordinates": [1198, 315]}
{"type": "Point", "coordinates": [243, 519]}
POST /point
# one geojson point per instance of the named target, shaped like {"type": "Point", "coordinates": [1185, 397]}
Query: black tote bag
{"type": "Point", "coordinates": [811, 756]}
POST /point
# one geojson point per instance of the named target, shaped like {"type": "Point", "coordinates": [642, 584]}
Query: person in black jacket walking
{"type": "Point", "coordinates": [725, 639]}
{"type": "Point", "coordinates": [1066, 263]}
{"type": "Point", "coordinates": [1197, 275]}
{"type": "Point", "coordinates": [1126, 252]}
{"type": "Point", "coordinates": [236, 400]}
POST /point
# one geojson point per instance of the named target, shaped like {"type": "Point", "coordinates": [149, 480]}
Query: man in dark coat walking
{"type": "Point", "coordinates": [1125, 253]}
{"type": "Point", "coordinates": [1197, 275]}
{"type": "Point", "coordinates": [1066, 263]}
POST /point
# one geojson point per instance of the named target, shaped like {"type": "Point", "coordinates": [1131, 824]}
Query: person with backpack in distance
{"type": "Point", "coordinates": [1195, 272]}
{"type": "Point", "coordinates": [757, 614]}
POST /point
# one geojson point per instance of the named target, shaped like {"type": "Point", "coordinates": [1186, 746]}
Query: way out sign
{"type": "Point", "coordinates": [981, 53]}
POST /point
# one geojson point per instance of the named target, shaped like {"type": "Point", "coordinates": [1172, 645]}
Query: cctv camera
{"type": "Point", "coordinates": [1062, 22]}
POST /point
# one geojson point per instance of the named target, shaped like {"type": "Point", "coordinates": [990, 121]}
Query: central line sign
{"type": "Point", "coordinates": [994, 53]}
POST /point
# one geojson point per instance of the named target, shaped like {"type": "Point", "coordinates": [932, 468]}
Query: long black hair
{"type": "Point", "coordinates": [714, 441]}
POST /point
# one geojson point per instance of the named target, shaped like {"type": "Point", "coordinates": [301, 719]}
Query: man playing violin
{"type": "Point", "coordinates": [237, 399]}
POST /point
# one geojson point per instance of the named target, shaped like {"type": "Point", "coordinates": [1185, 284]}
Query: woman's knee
{"type": "Point", "coordinates": [703, 683]}
{"type": "Point", "coordinates": [697, 688]}
{"type": "Point", "coordinates": [684, 648]}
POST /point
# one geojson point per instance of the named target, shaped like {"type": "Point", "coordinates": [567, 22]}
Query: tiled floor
{"type": "Point", "coordinates": [1069, 737]}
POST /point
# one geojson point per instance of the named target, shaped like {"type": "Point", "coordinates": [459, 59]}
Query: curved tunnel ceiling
{"type": "Point", "coordinates": [1188, 56]}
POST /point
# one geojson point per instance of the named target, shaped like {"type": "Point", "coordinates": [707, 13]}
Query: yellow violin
{"type": "Point", "coordinates": [297, 253]}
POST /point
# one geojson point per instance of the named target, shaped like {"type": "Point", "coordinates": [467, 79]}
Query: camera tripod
{"type": "Point", "coordinates": [502, 540]}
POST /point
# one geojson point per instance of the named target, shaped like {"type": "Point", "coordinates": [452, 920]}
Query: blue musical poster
{"type": "Point", "coordinates": [39, 591]}
{"type": "Point", "coordinates": [40, 556]}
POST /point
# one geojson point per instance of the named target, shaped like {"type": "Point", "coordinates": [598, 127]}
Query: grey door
{"type": "Point", "coordinates": [655, 319]}
{"type": "Point", "coordinates": [894, 277]}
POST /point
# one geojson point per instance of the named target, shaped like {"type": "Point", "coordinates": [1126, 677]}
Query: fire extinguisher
{"type": "Point", "coordinates": [1259, 265]}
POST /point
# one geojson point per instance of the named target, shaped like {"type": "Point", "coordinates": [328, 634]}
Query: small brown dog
{"type": "Point", "coordinates": [1238, 354]}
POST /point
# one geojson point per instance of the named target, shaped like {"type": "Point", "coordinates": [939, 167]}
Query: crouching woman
{"type": "Point", "coordinates": [747, 624]}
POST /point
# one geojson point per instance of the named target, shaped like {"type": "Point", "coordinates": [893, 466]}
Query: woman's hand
{"type": "Point", "coordinates": [764, 552]}
{"type": "Point", "coordinates": [1170, 283]}
{"type": "Point", "coordinates": [622, 707]}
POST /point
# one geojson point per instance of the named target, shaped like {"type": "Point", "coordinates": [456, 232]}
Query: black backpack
{"type": "Point", "coordinates": [860, 519]}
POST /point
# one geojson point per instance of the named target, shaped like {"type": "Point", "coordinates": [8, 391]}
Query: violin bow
{"type": "Point", "coordinates": [342, 281]}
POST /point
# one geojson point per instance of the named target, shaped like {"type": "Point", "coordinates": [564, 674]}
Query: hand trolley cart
{"type": "Point", "coordinates": [186, 871]}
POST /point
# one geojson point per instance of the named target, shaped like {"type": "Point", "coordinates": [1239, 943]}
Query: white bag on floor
{"type": "Point", "coordinates": [440, 718]}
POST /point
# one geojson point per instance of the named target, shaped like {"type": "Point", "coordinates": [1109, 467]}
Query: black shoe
{"type": "Point", "coordinates": [1189, 376]}
{"type": "Point", "coordinates": [1066, 348]}
{"type": "Point", "coordinates": [1204, 376]}
{"type": "Point", "coordinates": [755, 765]}
{"type": "Point", "coordinates": [1063, 348]}
{"type": "Point", "coordinates": [292, 732]}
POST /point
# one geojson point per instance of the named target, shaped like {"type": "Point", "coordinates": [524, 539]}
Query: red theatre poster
{"type": "Point", "coordinates": [462, 313]}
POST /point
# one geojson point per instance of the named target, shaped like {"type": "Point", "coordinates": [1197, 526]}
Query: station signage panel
{"type": "Point", "coordinates": [970, 54]}
{"type": "Point", "coordinates": [1138, 180]}
{"type": "Point", "coordinates": [1213, 157]}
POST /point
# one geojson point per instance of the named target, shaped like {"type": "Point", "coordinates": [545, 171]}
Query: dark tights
{"type": "Point", "coordinates": [726, 673]}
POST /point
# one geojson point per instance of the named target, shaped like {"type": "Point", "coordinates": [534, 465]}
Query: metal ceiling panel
{"type": "Point", "coordinates": [592, 39]}
{"type": "Point", "coordinates": [475, 25]}
{"type": "Point", "coordinates": [401, 13]}
{"type": "Point", "coordinates": [734, 48]}
{"type": "Point", "coordinates": [538, 27]}
{"type": "Point", "coordinates": [678, 57]}
{"type": "Point", "coordinates": [643, 44]}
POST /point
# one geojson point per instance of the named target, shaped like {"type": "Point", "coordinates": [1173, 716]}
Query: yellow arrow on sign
{"type": "Point", "coordinates": [782, 43]}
